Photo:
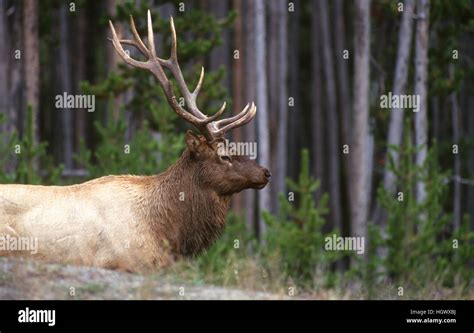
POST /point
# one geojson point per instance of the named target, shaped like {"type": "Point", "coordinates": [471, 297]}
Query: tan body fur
{"type": "Point", "coordinates": [125, 222]}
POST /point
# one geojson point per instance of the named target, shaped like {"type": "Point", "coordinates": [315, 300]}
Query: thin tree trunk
{"type": "Point", "coordinates": [17, 103]}
{"type": "Point", "coordinates": [317, 119]}
{"type": "Point", "coordinates": [113, 59]}
{"type": "Point", "coordinates": [262, 103]}
{"type": "Point", "coordinates": [436, 117]}
{"type": "Point", "coordinates": [343, 84]}
{"type": "Point", "coordinates": [282, 142]}
{"type": "Point", "coordinates": [66, 86]}
{"type": "Point", "coordinates": [395, 126]}
{"type": "Point", "coordinates": [333, 127]}
{"type": "Point", "coordinates": [220, 55]}
{"type": "Point", "coordinates": [468, 104]}
{"type": "Point", "coordinates": [421, 74]}
{"type": "Point", "coordinates": [248, 17]}
{"type": "Point", "coordinates": [31, 58]}
{"type": "Point", "coordinates": [5, 53]}
{"type": "Point", "coordinates": [273, 41]}
{"type": "Point", "coordinates": [295, 128]}
{"type": "Point", "coordinates": [238, 84]}
{"type": "Point", "coordinates": [80, 74]}
{"type": "Point", "coordinates": [9, 73]}
{"type": "Point", "coordinates": [278, 94]}
{"type": "Point", "coordinates": [395, 130]}
{"type": "Point", "coordinates": [470, 162]}
{"type": "Point", "coordinates": [457, 160]}
{"type": "Point", "coordinates": [360, 150]}
{"type": "Point", "coordinates": [344, 97]}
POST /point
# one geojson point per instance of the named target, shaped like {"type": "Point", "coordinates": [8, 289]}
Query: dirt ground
{"type": "Point", "coordinates": [23, 279]}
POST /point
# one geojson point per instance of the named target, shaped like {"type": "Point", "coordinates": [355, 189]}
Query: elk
{"type": "Point", "coordinates": [139, 223]}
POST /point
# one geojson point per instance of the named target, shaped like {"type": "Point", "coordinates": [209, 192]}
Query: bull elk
{"type": "Point", "coordinates": [138, 223]}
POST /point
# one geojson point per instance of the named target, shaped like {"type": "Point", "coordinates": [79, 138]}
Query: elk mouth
{"type": "Point", "coordinates": [267, 177]}
{"type": "Point", "coordinates": [257, 184]}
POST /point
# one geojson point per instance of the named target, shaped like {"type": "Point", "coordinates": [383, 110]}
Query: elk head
{"type": "Point", "coordinates": [224, 173]}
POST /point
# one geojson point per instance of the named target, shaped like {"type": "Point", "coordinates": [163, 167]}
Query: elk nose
{"type": "Point", "coordinates": [268, 175]}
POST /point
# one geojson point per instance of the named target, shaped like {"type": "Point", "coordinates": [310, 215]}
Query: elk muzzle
{"type": "Point", "coordinates": [262, 179]}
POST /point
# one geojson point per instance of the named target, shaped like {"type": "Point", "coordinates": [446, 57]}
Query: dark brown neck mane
{"type": "Point", "coordinates": [185, 216]}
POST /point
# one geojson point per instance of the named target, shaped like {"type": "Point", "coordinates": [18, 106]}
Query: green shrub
{"type": "Point", "coordinates": [26, 157]}
{"type": "Point", "coordinates": [420, 235]}
{"type": "Point", "coordinates": [296, 235]}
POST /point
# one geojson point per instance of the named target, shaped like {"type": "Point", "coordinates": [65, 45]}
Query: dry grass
{"type": "Point", "coordinates": [241, 279]}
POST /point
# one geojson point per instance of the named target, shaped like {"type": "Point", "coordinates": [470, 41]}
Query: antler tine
{"type": "Point", "coordinates": [139, 43]}
{"type": "Point", "coordinates": [173, 65]}
{"type": "Point", "coordinates": [227, 121]}
{"type": "Point", "coordinates": [245, 116]}
{"type": "Point", "coordinates": [174, 42]}
{"type": "Point", "coordinates": [136, 41]}
{"type": "Point", "coordinates": [151, 38]}
{"type": "Point", "coordinates": [241, 121]}
{"type": "Point", "coordinates": [118, 47]}
{"type": "Point", "coordinates": [217, 114]}
{"type": "Point", "coordinates": [199, 84]}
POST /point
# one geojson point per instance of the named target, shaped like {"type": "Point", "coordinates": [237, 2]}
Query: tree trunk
{"type": "Point", "coordinates": [457, 160]}
{"type": "Point", "coordinates": [278, 91]}
{"type": "Point", "coordinates": [220, 55]}
{"type": "Point", "coordinates": [470, 162]}
{"type": "Point", "coordinates": [421, 74]}
{"type": "Point", "coordinates": [361, 137]}
{"type": "Point", "coordinates": [113, 59]}
{"type": "Point", "coordinates": [5, 54]}
{"type": "Point", "coordinates": [262, 103]}
{"type": "Point", "coordinates": [80, 74]}
{"type": "Point", "coordinates": [238, 84]}
{"type": "Point", "coordinates": [17, 103]}
{"type": "Point", "coordinates": [248, 17]}
{"type": "Point", "coordinates": [31, 56]}
{"type": "Point", "coordinates": [345, 104]}
{"type": "Point", "coordinates": [282, 141]}
{"type": "Point", "coordinates": [66, 85]}
{"type": "Point", "coordinates": [343, 85]}
{"type": "Point", "coordinates": [295, 128]}
{"type": "Point", "coordinates": [317, 118]}
{"type": "Point", "coordinates": [273, 42]}
{"type": "Point", "coordinates": [436, 117]}
{"type": "Point", "coordinates": [335, 149]}
{"type": "Point", "coordinates": [395, 130]}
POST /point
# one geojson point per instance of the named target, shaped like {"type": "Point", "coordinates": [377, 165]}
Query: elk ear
{"type": "Point", "coordinates": [194, 143]}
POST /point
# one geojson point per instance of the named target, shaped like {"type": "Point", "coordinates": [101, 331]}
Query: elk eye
{"type": "Point", "coordinates": [225, 158]}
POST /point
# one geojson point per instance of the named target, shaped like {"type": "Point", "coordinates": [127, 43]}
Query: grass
{"type": "Point", "coordinates": [93, 288]}
{"type": "Point", "coordinates": [27, 279]}
{"type": "Point", "coordinates": [251, 274]}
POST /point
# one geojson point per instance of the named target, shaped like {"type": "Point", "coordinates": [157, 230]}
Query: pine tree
{"type": "Point", "coordinates": [296, 234]}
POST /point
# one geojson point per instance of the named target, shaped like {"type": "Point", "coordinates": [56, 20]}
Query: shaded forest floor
{"type": "Point", "coordinates": [26, 279]}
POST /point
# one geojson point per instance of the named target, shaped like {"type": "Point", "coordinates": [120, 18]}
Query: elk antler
{"type": "Point", "coordinates": [207, 125]}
